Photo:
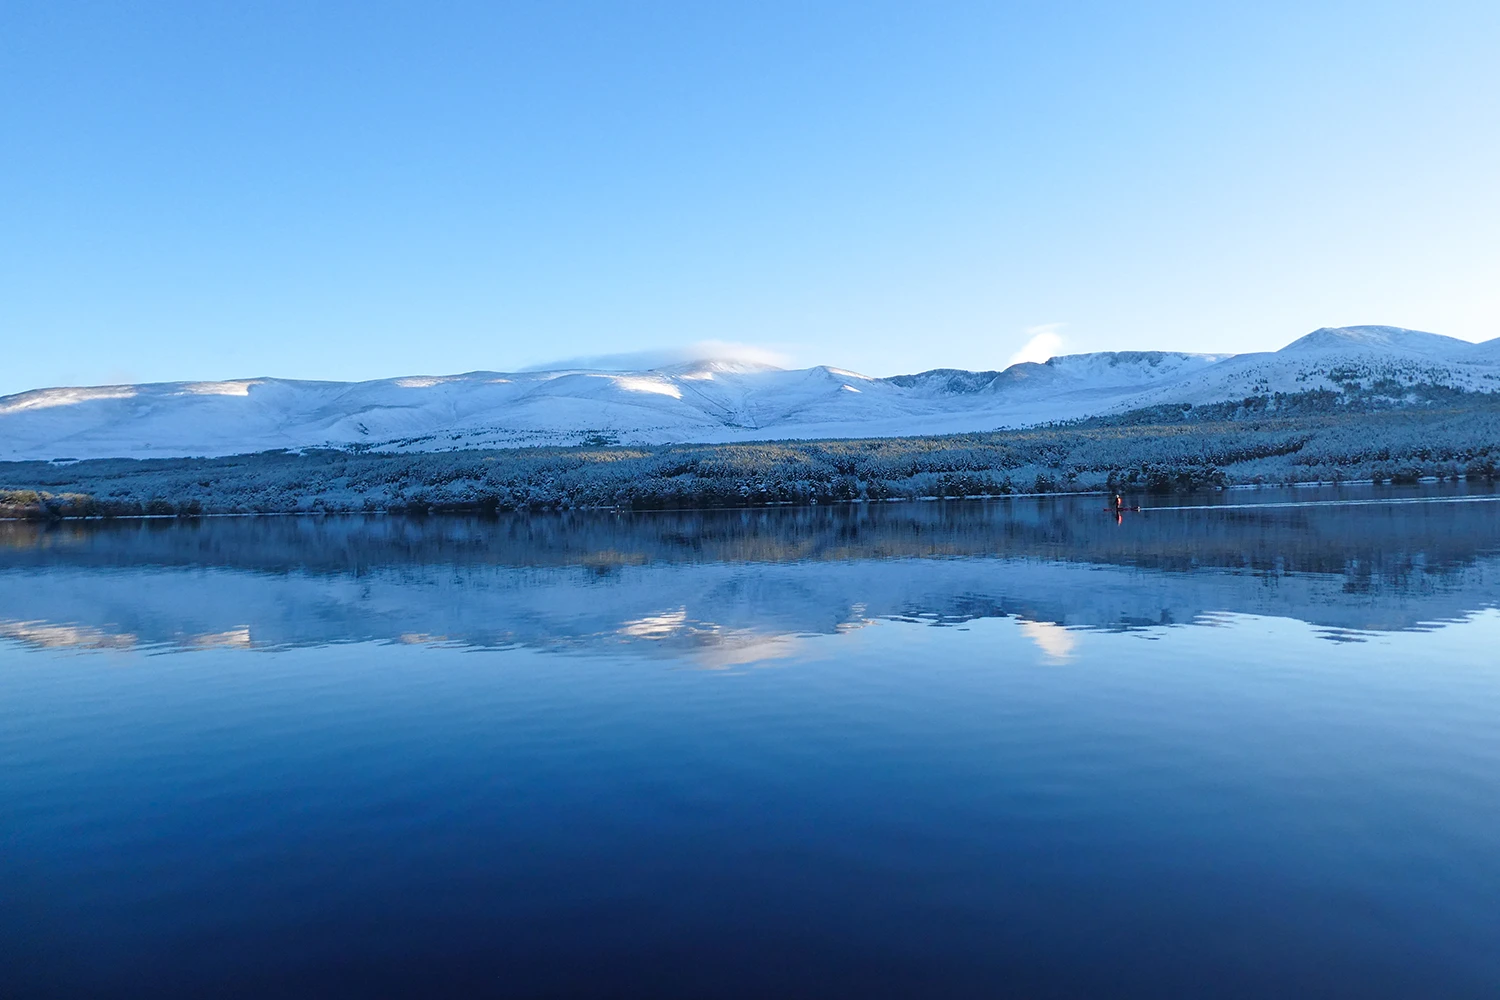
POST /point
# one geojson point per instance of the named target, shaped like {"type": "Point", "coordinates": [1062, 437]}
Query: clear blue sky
{"type": "Point", "coordinates": [210, 190]}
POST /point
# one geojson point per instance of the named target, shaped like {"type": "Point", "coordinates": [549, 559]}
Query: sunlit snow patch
{"type": "Point", "coordinates": [636, 384]}
{"type": "Point", "coordinates": [239, 388]}
{"type": "Point", "coordinates": [45, 398]}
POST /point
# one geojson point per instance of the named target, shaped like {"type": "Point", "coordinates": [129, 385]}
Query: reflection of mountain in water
{"type": "Point", "coordinates": [730, 585]}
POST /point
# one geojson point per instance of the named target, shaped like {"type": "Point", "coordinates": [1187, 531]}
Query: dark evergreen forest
{"type": "Point", "coordinates": [1305, 437]}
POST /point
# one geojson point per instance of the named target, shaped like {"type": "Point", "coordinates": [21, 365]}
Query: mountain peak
{"type": "Point", "coordinates": [1378, 339]}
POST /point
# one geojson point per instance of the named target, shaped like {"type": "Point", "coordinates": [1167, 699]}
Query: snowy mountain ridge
{"type": "Point", "coordinates": [705, 401]}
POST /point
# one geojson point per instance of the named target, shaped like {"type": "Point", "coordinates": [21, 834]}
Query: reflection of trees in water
{"type": "Point", "coordinates": [737, 583]}
{"type": "Point", "coordinates": [1364, 544]}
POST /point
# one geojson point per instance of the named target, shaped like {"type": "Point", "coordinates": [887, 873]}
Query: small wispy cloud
{"type": "Point", "coordinates": [1044, 342]}
{"type": "Point", "coordinates": [703, 350]}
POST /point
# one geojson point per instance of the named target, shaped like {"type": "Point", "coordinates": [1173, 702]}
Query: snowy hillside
{"type": "Point", "coordinates": [706, 401]}
{"type": "Point", "coordinates": [1333, 358]}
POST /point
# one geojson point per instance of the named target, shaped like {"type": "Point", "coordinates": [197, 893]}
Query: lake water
{"type": "Point", "coordinates": [920, 750]}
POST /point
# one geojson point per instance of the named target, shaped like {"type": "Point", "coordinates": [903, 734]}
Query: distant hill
{"type": "Point", "coordinates": [707, 401]}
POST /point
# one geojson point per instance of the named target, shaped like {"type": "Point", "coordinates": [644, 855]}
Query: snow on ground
{"type": "Point", "coordinates": [702, 402]}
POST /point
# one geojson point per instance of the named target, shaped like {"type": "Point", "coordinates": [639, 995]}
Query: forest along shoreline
{"type": "Point", "coordinates": [1304, 438]}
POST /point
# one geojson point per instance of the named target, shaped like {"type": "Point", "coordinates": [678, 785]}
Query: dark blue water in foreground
{"type": "Point", "coordinates": [935, 751]}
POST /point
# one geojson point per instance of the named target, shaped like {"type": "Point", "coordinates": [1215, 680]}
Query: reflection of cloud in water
{"type": "Point", "coordinates": [659, 626]}
{"type": "Point", "coordinates": [45, 635]}
{"type": "Point", "coordinates": [738, 649]}
{"type": "Point", "coordinates": [710, 645]}
{"type": "Point", "coordinates": [1056, 643]}
{"type": "Point", "coordinates": [235, 638]}
{"type": "Point", "coordinates": [420, 639]}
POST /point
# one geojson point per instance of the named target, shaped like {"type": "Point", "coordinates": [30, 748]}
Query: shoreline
{"type": "Point", "coordinates": [480, 511]}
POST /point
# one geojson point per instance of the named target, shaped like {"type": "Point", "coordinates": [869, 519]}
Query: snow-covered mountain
{"type": "Point", "coordinates": [1335, 357]}
{"type": "Point", "coordinates": [704, 401]}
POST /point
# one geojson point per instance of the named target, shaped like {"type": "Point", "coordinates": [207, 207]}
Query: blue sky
{"type": "Point", "coordinates": [362, 190]}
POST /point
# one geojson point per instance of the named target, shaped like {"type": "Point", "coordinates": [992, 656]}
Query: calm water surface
{"type": "Point", "coordinates": [962, 750]}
